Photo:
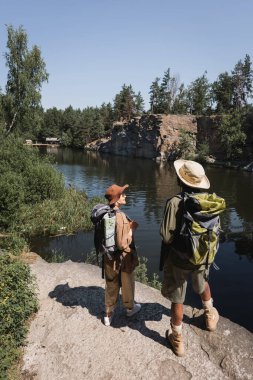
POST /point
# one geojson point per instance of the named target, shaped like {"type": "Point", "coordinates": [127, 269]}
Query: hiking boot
{"type": "Point", "coordinates": [211, 318]}
{"type": "Point", "coordinates": [134, 310]}
{"type": "Point", "coordinates": [108, 319]}
{"type": "Point", "coordinates": [176, 341]}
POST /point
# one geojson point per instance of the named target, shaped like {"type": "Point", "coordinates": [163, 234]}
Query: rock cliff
{"type": "Point", "coordinates": [156, 136]}
{"type": "Point", "coordinates": [151, 136]}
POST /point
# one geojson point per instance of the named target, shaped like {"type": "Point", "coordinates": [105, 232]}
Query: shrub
{"type": "Point", "coordinates": [232, 134]}
{"type": "Point", "coordinates": [141, 271]}
{"type": "Point", "coordinates": [42, 182]}
{"type": "Point", "coordinates": [68, 214]}
{"type": "Point", "coordinates": [25, 178]}
{"type": "Point", "coordinates": [187, 145]}
{"type": "Point", "coordinates": [13, 243]}
{"type": "Point", "coordinates": [202, 153]}
{"type": "Point", "coordinates": [11, 197]}
{"type": "Point", "coordinates": [17, 302]}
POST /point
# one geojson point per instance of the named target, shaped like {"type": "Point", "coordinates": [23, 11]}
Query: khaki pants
{"type": "Point", "coordinates": [112, 288]}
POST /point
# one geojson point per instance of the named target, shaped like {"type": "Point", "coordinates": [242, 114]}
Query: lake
{"type": "Point", "coordinates": [150, 184]}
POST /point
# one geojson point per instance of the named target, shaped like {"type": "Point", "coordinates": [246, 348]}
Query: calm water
{"type": "Point", "coordinates": [150, 184]}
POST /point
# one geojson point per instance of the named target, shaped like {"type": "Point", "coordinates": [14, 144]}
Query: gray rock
{"type": "Point", "coordinates": [67, 339]}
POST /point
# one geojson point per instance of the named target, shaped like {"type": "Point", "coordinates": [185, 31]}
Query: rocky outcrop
{"type": "Point", "coordinates": [67, 339]}
{"type": "Point", "coordinates": [157, 137]}
{"type": "Point", "coordinates": [149, 136]}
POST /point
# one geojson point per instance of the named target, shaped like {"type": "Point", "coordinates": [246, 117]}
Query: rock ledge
{"type": "Point", "coordinates": [67, 340]}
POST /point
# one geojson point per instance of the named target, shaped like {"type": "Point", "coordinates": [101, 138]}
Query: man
{"type": "Point", "coordinates": [177, 266]}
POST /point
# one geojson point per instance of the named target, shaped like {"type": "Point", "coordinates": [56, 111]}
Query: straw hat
{"type": "Point", "coordinates": [114, 192]}
{"type": "Point", "coordinates": [192, 174]}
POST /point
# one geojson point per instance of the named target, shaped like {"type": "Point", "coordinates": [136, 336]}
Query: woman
{"type": "Point", "coordinates": [119, 272]}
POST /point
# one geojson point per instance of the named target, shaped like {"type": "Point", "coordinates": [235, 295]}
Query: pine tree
{"type": "Point", "coordinates": [242, 77]}
{"type": "Point", "coordinates": [200, 96]}
{"type": "Point", "coordinates": [139, 104]}
{"type": "Point", "coordinates": [222, 93]}
{"type": "Point", "coordinates": [155, 95]}
{"type": "Point", "coordinates": [124, 104]}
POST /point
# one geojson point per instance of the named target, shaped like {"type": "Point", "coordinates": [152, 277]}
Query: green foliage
{"type": "Point", "coordinates": [139, 104]}
{"type": "Point", "coordinates": [202, 153]}
{"type": "Point", "coordinates": [42, 182]}
{"type": "Point", "coordinates": [13, 243]}
{"type": "Point", "coordinates": [127, 104]}
{"type": "Point", "coordinates": [154, 282]}
{"type": "Point", "coordinates": [11, 197]}
{"type": "Point", "coordinates": [52, 120]}
{"type": "Point", "coordinates": [155, 96]}
{"type": "Point", "coordinates": [17, 302]}
{"type": "Point", "coordinates": [242, 77]}
{"type": "Point", "coordinates": [26, 178]}
{"type": "Point", "coordinates": [200, 96]}
{"type": "Point", "coordinates": [169, 96]}
{"type": "Point", "coordinates": [91, 258]}
{"type": "Point", "coordinates": [26, 73]}
{"type": "Point", "coordinates": [181, 102]}
{"type": "Point", "coordinates": [232, 134]}
{"type": "Point", "coordinates": [55, 256]}
{"type": "Point", "coordinates": [187, 145]}
{"type": "Point", "coordinates": [222, 93]}
{"type": "Point", "coordinates": [67, 214]}
{"type": "Point", "coordinates": [233, 91]}
{"type": "Point", "coordinates": [141, 271]}
{"type": "Point", "coordinates": [168, 91]}
{"type": "Point", "coordinates": [141, 274]}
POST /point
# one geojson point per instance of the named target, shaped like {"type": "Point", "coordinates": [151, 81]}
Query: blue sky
{"type": "Point", "coordinates": [92, 47]}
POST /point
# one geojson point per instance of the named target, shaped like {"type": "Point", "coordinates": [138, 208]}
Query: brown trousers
{"type": "Point", "coordinates": [112, 288]}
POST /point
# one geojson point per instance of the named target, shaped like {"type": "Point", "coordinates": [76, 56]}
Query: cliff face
{"type": "Point", "coordinates": [150, 136]}
{"type": "Point", "coordinates": [156, 136]}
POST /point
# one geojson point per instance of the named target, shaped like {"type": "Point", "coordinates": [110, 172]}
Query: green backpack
{"type": "Point", "coordinates": [200, 228]}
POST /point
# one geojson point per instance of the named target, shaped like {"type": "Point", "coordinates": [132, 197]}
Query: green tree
{"type": "Point", "coordinates": [242, 77]}
{"type": "Point", "coordinates": [169, 89]}
{"type": "Point", "coordinates": [124, 104]}
{"type": "Point", "coordinates": [106, 112]}
{"type": "Point", "coordinates": [2, 122]}
{"type": "Point", "coordinates": [222, 93]}
{"type": "Point", "coordinates": [169, 96]}
{"type": "Point", "coordinates": [155, 97]}
{"type": "Point", "coordinates": [98, 125]}
{"type": "Point", "coordinates": [52, 123]}
{"type": "Point", "coordinates": [200, 96]}
{"type": "Point", "coordinates": [26, 73]}
{"type": "Point", "coordinates": [139, 104]}
{"type": "Point", "coordinates": [181, 102]}
{"type": "Point", "coordinates": [232, 134]}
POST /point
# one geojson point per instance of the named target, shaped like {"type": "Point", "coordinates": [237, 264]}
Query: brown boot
{"type": "Point", "coordinates": [211, 318]}
{"type": "Point", "coordinates": [176, 341]}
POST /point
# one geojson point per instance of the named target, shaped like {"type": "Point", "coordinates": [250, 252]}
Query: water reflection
{"type": "Point", "coordinates": [244, 247]}
{"type": "Point", "coordinates": [151, 184]}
